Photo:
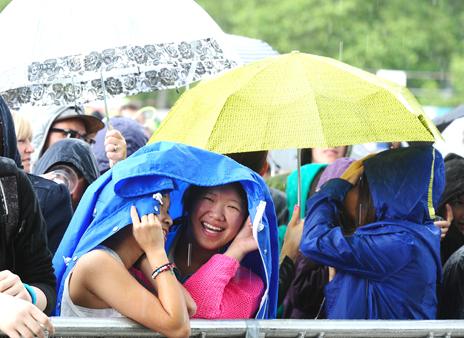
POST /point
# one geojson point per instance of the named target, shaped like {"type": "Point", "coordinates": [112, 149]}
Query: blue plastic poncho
{"type": "Point", "coordinates": [387, 269]}
{"type": "Point", "coordinates": [105, 207]}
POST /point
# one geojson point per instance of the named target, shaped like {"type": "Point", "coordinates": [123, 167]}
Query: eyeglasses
{"type": "Point", "coordinates": [71, 133]}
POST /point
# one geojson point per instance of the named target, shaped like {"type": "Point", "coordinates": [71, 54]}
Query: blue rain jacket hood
{"type": "Point", "coordinates": [105, 207]}
{"type": "Point", "coordinates": [388, 269]}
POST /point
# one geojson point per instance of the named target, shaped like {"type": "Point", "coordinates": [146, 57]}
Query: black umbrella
{"type": "Point", "coordinates": [444, 120]}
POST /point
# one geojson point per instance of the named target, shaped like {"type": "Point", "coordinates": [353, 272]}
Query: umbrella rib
{"type": "Point", "coordinates": [308, 85]}
{"type": "Point", "coordinates": [239, 88]}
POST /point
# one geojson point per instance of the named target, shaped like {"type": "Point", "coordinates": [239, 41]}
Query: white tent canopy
{"type": "Point", "coordinates": [248, 49]}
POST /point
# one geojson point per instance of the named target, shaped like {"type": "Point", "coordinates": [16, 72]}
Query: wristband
{"type": "Point", "coordinates": [31, 292]}
{"type": "Point", "coordinates": [162, 268]}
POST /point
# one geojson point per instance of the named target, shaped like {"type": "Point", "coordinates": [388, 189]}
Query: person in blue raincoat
{"type": "Point", "coordinates": [104, 208]}
{"type": "Point", "coordinates": [389, 267]}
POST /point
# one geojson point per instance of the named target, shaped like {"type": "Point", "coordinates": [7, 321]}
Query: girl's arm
{"type": "Point", "coordinates": [324, 242]}
{"type": "Point", "coordinates": [146, 271]}
{"type": "Point", "coordinates": [32, 257]}
{"type": "Point", "coordinates": [99, 274]}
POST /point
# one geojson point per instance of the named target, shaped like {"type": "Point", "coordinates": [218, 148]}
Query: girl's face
{"type": "Point", "coordinates": [327, 155]}
{"type": "Point", "coordinates": [358, 205]}
{"type": "Point", "coordinates": [457, 206]}
{"type": "Point", "coordinates": [217, 217]}
{"type": "Point", "coordinates": [25, 149]}
{"type": "Point", "coordinates": [164, 217]}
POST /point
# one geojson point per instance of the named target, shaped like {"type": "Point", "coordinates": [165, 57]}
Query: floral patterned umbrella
{"type": "Point", "coordinates": [65, 52]}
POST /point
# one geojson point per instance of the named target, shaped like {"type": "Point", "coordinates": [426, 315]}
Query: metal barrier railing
{"type": "Point", "coordinates": [279, 328]}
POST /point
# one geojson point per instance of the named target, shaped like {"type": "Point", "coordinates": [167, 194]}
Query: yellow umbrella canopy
{"type": "Point", "coordinates": [295, 100]}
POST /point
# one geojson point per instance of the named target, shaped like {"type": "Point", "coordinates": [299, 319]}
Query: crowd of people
{"type": "Point", "coordinates": [99, 224]}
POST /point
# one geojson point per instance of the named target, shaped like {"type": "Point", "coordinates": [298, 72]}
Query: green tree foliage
{"type": "Point", "coordinates": [3, 4]}
{"type": "Point", "coordinates": [416, 35]}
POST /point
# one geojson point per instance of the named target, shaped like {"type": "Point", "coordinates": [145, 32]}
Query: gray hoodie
{"type": "Point", "coordinates": [92, 125]}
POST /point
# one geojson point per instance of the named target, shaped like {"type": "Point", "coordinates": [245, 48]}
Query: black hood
{"type": "Point", "coordinates": [454, 166]}
{"type": "Point", "coordinates": [69, 151]}
{"type": "Point", "coordinates": [8, 135]}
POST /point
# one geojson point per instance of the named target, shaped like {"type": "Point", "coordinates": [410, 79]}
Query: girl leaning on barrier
{"type": "Point", "coordinates": [101, 285]}
{"type": "Point", "coordinates": [219, 256]}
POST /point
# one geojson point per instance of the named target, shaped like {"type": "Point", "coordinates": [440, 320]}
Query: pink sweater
{"type": "Point", "coordinates": [222, 289]}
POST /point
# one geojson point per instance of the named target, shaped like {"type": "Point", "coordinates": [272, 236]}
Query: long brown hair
{"type": "Point", "coordinates": [365, 212]}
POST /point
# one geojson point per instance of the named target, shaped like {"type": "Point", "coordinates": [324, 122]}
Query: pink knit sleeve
{"type": "Point", "coordinates": [222, 289]}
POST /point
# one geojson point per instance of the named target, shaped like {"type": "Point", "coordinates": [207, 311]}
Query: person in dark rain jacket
{"type": "Point", "coordinates": [388, 268]}
{"type": "Point", "coordinates": [26, 273]}
{"type": "Point", "coordinates": [54, 199]}
{"type": "Point", "coordinates": [72, 161]}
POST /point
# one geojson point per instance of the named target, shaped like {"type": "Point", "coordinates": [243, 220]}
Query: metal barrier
{"type": "Point", "coordinates": [279, 328]}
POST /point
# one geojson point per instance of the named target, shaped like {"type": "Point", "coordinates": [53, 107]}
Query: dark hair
{"type": "Point", "coordinates": [192, 194]}
{"type": "Point", "coordinates": [365, 211]}
{"type": "Point", "coordinates": [454, 188]}
{"type": "Point", "coordinates": [255, 160]}
{"type": "Point", "coordinates": [130, 106]}
{"type": "Point", "coordinates": [306, 156]}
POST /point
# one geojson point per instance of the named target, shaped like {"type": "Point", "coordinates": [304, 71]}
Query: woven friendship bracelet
{"type": "Point", "coordinates": [162, 268]}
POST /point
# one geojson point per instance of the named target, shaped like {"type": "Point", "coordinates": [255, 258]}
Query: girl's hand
{"type": "Point", "coordinates": [292, 239]}
{"type": "Point", "coordinates": [115, 146]}
{"type": "Point", "coordinates": [11, 284]}
{"type": "Point", "coordinates": [19, 318]}
{"type": "Point", "coordinates": [147, 232]}
{"type": "Point", "coordinates": [243, 243]}
{"type": "Point", "coordinates": [445, 224]}
{"type": "Point", "coordinates": [332, 273]}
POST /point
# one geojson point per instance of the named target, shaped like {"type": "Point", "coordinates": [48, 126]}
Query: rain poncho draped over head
{"type": "Point", "coordinates": [105, 207]}
{"type": "Point", "coordinates": [387, 269]}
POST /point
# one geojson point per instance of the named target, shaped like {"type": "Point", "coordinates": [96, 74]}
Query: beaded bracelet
{"type": "Point", "coordinates": [162, 268]}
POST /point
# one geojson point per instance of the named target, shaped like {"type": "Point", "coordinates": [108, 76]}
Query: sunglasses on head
{"type": "Point", "coordinates": [71, 133]}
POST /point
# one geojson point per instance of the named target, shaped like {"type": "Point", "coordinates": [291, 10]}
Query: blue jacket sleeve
{"type": "Point", "coordinates": [369, 253]}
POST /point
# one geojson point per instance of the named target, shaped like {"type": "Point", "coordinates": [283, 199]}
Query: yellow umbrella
{"type": "Point", "coordinates": [295, 100]}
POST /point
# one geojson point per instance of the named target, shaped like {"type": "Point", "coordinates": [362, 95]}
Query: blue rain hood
{"type": "Point", "coordinates": [400, 183]}
{"type": "Point", "coordinates": [388, 269]}
{"type": "Point", "coordinates": [105, 207]}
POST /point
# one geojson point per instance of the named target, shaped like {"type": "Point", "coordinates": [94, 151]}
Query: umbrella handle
{"type": "Point", "coordinates": [107, 115]}
{"type": "Point", "coordinates": [193, 68]}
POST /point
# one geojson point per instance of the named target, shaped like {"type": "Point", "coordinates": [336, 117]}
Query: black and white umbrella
{"type": "Point", "coordinates": [57, 52]}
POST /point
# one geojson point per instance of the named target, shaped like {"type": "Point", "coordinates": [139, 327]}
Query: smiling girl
{"type": "Point", "coordinates": [208, 253]}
